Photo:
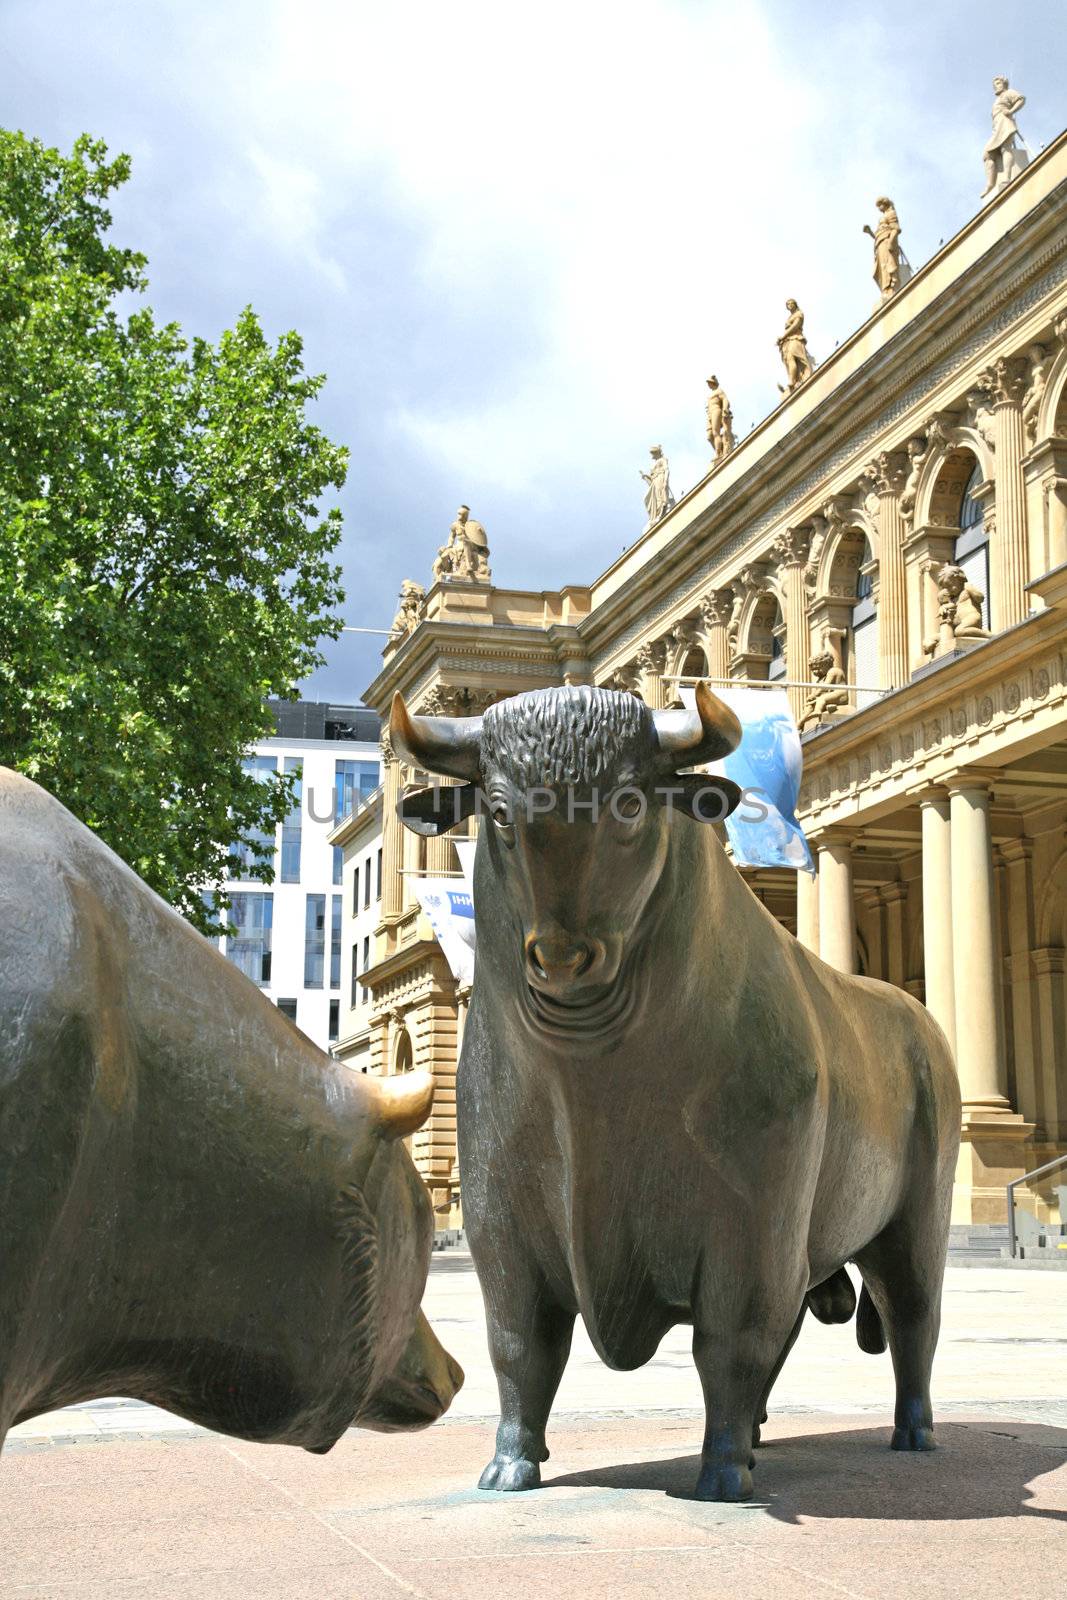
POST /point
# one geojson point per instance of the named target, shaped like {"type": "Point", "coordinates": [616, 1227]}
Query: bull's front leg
{"type": "Point", "coordinates": [737, 1345]}
{"type": "Point", "coordinates": [529, 1341]}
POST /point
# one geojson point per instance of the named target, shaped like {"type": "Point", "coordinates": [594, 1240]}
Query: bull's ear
{"type": "Point", "coordinates": [451, 746]}
{"type": "Point", "coordinates": [404, 1102]}
{"type": "Point", "coordinates": [433, 811]}
{"type": "Point", "coordinates": [704, 796]}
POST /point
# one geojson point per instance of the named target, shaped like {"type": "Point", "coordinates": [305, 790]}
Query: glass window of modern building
{"type": "Point", "coordinates": [378, 877]}
{"type": "Point", "coordinates": [366, 881]}
{"type": "Point", "coordinates": [338, 864]}
{"type": "Point", "coordinates": [291, 827]}
{"type": "Point", "coordinates": [258, 845]}
{"type": "Point", "coordinates": [354, 781]}
{"type": "Point", "coordinates": [972, 544]}
{"type": "Point", "coordinates": [335, 942]}
{"type": "Point", "coordinates": [335, 1020]}
{"type": "Point", "coordinates": [315, 941]}
{"type": "Point", "coordinates": [249, 946]}
{"type": "Point", "coordinates": [366, 964]}
{"type": "Point", "coordinates": [288, 1009]}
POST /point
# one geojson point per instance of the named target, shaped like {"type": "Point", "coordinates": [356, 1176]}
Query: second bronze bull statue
{"type": "Point", "coordinates": [669, 1110]}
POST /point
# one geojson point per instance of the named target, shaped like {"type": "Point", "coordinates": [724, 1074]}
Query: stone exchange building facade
{"type": "Point", "coordinates": [896, 530]}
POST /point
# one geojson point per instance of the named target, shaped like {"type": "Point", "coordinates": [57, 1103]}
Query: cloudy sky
{"type": "Point", "coordinates": [518, 238]}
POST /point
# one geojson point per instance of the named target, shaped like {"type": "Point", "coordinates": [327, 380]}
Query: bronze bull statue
{"type": "Point", "coordinates": [200, 1209]}
{"type": "Point", "coordinates": [669, 1110]}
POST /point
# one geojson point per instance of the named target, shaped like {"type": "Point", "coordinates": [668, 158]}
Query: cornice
{"type": "Point", "coordinates": [936, 347]}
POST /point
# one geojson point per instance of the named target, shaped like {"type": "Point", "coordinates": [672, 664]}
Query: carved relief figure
{"type": "Point", "coordinates": [793, 348]}
{"type": "Point", "coordinates": [917, 453]}
{"type": "Point", "coordinates": [720, 420]}
{"type": "Point", "coordinates": [891, 269]}
{"type": "Point", "coordinates": [959, 611]}
{"type": "Point", "coordinates": [412, 602]}
{"type": "Point", "coordinates": [1003, 156]}
{"type": "Point", "coordinates": [830, 698]}
{"type": "Point", "coordinates": [658, 497]}
{"type": "Point", "coordinates": [1040, 362]}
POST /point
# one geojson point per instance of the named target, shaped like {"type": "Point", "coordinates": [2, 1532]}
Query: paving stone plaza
{"type": "Point", "coordinates": [116, 1498]}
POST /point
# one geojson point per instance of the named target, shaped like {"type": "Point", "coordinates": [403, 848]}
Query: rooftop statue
{"type": "Point", "coordinates": [466, 555]}
{"type": "Point", "coordinates": [200, 1208]}
{"type": "Point", "coordinates": [670, 1111]}
{"type": "Point", "coordinates": [1003, 155]}
{"type": "Point", "coordinates": [720, 421]}
{"type": "Point", "coordinates": [658, 497]}
{"type": "Point", "coordinates": [891, 267]}
{"type": "Point", "coordinates": [793, 348]}
{"type": "Point", "coordinates": [412, 608]}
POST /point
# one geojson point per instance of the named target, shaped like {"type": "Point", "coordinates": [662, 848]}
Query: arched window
{"type": "Point", "coordinates": [865, 633]}
{"type": "Point", "coordinates": [403, 1058]}
{"type": "Point", "coordinates": [695, 664]}
{"type": "Point", "coordinates": [972, 543]}
{"type": "Point", "coordinates": [777, 667]}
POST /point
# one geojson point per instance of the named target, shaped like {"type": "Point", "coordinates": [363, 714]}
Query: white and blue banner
{"type": "Point", "coordinates": [448, 904]}
{"type": "Point", "coordinates": [766, 766]}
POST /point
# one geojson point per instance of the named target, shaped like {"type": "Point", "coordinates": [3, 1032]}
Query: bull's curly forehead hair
{"type": "Point", "coordinates": [580, 736]}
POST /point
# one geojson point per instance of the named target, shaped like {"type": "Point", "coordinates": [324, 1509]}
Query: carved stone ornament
{"type": "Point", "coordinates": [412, 608]}
{"type": "Point", "coordinates": [1005, 381]}
{"type": "Point", "coordinates": [1040, 362]}
{"type": "Point", "coordinates": [582, 935]}
{"type": "Point", "coordinates": [830, 698]}
{"type": "Point", "coordinates": [790, 548]}
{"type": "Point", "coordinates": [917, 451]}
{"type": "Point", "coordinates": [658, 497]}
{"type": "Point", "coordinates": [959, 611]}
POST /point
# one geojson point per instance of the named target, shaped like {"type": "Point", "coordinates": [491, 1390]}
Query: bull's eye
{"type": "Point", "coordinates": [629, 805]}
{"type": "Point", "coordinates": [501, 816]}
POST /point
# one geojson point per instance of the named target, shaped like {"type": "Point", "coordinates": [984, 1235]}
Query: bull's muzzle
{"type": "Point", "coordinates": [420, 1389]}
{"type": "Point", "coordinates": [558, 962]}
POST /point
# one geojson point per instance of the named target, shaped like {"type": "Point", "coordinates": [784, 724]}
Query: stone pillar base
{"type": "Point", "coordinates": [993, 1152]}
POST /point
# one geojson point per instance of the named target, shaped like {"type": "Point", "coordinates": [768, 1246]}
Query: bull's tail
{"type": "Point", "coordinates": [835, 1301]}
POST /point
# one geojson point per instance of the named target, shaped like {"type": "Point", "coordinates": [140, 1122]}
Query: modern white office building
{"type": "Point", "coordinates": [358, 837]}
{"type": "Point", "coordinates": [288, 933]}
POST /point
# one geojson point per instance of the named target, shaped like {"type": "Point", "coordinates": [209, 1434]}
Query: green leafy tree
{"type": "Point", "coordinates": [164, 562]}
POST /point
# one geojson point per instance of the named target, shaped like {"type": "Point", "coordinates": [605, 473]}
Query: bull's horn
{"type": "Point", "coordinates": [689, 738]}
{"type": "Point", "coordinates": [404, 1102]}
{"type": "Point", "coordinates": [450, 746]}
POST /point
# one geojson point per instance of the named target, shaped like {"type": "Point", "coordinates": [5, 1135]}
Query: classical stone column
{"type": "Point", "coordinates": [837, 916]}
{"type": "Point", "coordinates": [652, 660]}
{"type": "Point", "coordinates": [808, 911]}
{"type": "Point", "coordinates": [937, 911]}
{"type": "Point", "coordinates": [975, 966]}
{"type": "Point", "coordinates": [440, 855]}
{"type": "Point", "coordinates": [392, 836]}
{"type": "Point", "coordinates": [790, 551]}
{"type": "Point", "coordinates": [716, 610]}
{"type": "Point", "coordinates": [887, 474]}
{"type": "Point", "coordinates": [1006, 381]}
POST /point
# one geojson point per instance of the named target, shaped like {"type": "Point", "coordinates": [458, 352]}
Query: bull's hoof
{"type": "Point", "coordinates": [725, 1483]}
{"type": "Point", "coordinates": [915, 1437]}
{"type": "Point", "coordinates": [510, 1475]}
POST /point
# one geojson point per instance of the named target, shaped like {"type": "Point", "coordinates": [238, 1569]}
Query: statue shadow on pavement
{"type": "Point", "coordinates": [982, 1471]}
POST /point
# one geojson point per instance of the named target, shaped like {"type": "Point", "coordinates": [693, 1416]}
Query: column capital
{"type": "Point", "coordinates": [928, 794]}
{"type": "Point", "coordinates": [834, 838]}
{"type": "Point", "coordinates": [716, 607]}
{"type": "Point", "coordinates": [968, 779]}
{"type": "Point", "coordinates": [1006, 380]}
{"type": "Point", "coordinates": [790, 548]}
{"type": "Point", "coordinates": [652, 657]}
{"type": "Point", "coordinates": [888, 471]}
